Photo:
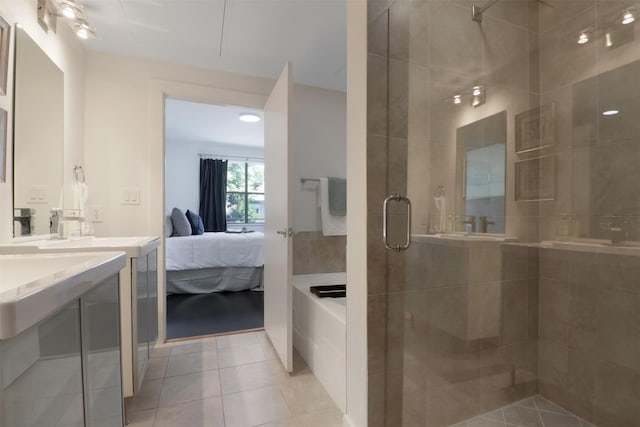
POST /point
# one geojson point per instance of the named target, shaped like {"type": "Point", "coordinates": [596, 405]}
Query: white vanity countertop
{"type": "Point", "coordinates": [593, 245]}
{"type": "Point", "coordinates": [461, 239]}
{"type": "Point", "coordinates": [133, 246]}
{"type": "Point", "coordinates": [34, 286]}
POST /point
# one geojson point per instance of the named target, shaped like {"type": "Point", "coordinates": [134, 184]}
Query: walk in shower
{"type": "Point", "coordinates": [514, 130]}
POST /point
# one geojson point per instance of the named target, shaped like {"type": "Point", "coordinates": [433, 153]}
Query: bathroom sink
{"type": "Point", "coordinates": [34, 286]}
{"type": "Point", "coordinates": [133, 246]}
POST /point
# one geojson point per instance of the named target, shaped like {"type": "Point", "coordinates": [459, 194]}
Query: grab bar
{"type": "Point", "coordinates": [385, 208]}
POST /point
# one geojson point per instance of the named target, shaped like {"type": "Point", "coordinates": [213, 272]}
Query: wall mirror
{"type": "Point", "coordinates": [606, 156]}
{"type": "Point", "coordinates": [38, 137]}
{"type": "Point", "coordinates": [480, 174]}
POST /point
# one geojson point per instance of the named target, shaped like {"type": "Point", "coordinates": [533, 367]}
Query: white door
{"type": "Point", "coordinates": [278, 294]}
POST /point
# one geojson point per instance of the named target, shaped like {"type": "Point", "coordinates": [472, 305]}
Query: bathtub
{"type": "Point", "coordinates": [319, 332]}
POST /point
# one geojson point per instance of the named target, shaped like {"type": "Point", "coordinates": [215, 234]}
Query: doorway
{"type": "Point", "coordinates": [214, 269]}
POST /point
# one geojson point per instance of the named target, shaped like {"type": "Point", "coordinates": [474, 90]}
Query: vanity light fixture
{"type": "Point", "coordinates": [628, 16]}
{"type": "Point", "coordinates": [583, 37]}
{"type": "Point", "coordinates": [84, 30]}
{"type": "Point", "coordinates": [610, 112]}
{"type": "Point", "coordinates": [249, 117]}
{"type": "Point", "coordinates": [477, 96]}
{"type": "Point", "coordinates": [70, 9]}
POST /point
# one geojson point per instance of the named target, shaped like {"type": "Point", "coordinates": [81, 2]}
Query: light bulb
{"type": "Point", "coordinates": [68, 12]}
{"type": "Point", "coordinates": [583, 38]}
{"type": "Point", "coordinates": [457, 99]}
{"type": "Point", "coordinates": [628, 17]}
{"type": "Point", "coordinates": [610, 112]}
{"type": "Point", "coordinates": [477, 90]}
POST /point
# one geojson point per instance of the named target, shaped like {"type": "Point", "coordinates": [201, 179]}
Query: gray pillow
{"type": "Point", "coordinates": [168, 226]}
{"type": "Point", "coordinates": [181, 224]}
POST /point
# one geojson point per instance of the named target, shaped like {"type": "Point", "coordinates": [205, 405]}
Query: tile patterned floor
{"type": "Point", "coordinates": [533, 412]}
{"type": "Point", "coordinates": [229, 381]}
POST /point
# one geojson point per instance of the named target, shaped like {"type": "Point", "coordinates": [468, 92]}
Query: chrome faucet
{"type": "Point", "coordinates": [616, 231]}
{"type": "Point", "coordinates": [60, 219]}
{"type": "Point", "coordinates": [471, 221]}
{"type": "Point", "coordinates": [484, 223]}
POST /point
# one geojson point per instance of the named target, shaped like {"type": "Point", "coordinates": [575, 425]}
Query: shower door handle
{"type": "Point", "coordinates": [385, 223]}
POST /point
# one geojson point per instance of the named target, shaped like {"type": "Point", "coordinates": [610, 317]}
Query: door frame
{"type": "Point", "coordinates": [159, 90]}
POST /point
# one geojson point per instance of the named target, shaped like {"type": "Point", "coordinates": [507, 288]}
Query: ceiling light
{"type": "Point", "coordinates": [583, 37]}
{"type": "Point", "coordinates": [249, 117]}
{"type": "Point", "coordinates": [477, 90]}
{"type": "Point", "coordinates": [610, 112]}
{"type": "Point", "coordinates": [457, 99]}
{"type": "Point", "coordinates": [628, 17]}
{"type": "Point", "coordinates": [70, 9]}
{"type": "Point", "coordinates": [84, 31]}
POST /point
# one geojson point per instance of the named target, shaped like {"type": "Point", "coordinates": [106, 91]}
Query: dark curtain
{"type": "Point", "coordinates": [213, 194]}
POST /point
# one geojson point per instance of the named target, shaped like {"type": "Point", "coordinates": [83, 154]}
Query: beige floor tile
{"type": "Point", "coordinates": [186, 388]}
{"type": "Point", "coordinates": [141, 418]}
{"type": "Point", "coordinates": [146, 398]}
{"type": "Point", "coordinates": [161, 351]}
{"type": "Point", "coordinates": [254, 407]}
{"type": "Point", "coordinates": [190, 363]}
{"type": "Point", "coordinates": [157, 368]}
{"type": "Point", "coordinates": [324, 418]}
{"type": "Point", "coordinates": [241, 355]}
{"type": "Point", "coordinates": [200, 413]}
{"type": "Point", "coordinates": [235, 340]}
{"type": "Point", "coordinates": [251, 376]}
{"type": "Point", "coordinates": [194, 346]}
{"type": "Point", "coordinates": [304, 393]}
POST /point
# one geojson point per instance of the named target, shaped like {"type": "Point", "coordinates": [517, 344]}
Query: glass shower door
{"type": "Point", "coordinates": [512, 128]}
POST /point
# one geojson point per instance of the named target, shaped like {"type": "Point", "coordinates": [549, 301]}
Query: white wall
{"type": "Point", "coordinates": [123, 136]}
{"type": "Point", "coordinates": [118, 142]}
{"type": "Point", "coordinates": [319, 148]}
{"type": "Point", "coordinates": [357, 293]}
{"type": "Point", "coordinates": [66, 51]}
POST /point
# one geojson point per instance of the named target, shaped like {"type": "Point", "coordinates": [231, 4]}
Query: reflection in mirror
{"type": "Point", "coordinates": [480, 175]}
{"type": "Point", "coordinates": [606, 133]}
{"type": "Point", "coordinates": [38, 138]}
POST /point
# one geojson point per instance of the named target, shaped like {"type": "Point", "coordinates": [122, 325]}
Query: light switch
{"type": "Point", "coordinates": [37, 194]}
{"type": "Point", "coordinates": [131, 196]}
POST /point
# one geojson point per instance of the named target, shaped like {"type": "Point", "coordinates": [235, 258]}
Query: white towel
{"type": "Point", "coordinates": [331, 225]}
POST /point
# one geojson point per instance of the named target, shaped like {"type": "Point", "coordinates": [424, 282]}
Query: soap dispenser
{"type": "Point", "coordinates": [563, 227]}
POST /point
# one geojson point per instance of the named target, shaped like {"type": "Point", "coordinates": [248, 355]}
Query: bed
{"type": "Point", "coordinates": [214, 262]}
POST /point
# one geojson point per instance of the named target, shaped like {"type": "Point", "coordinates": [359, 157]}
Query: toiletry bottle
{"type": "Point", "coordinates": [563, 227]}
{"type": "Point", "coordinates": [450, 223]}
{"type": "Point", "coordinates": [575, 226]}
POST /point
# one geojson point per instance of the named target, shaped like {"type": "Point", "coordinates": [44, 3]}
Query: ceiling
{"type": "Point", "coordinates": [193, 121]}
{"type": "Point", "coordinates": [254, 37]}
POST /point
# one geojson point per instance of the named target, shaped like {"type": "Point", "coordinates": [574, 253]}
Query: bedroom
{"type": "Point", "coordinates": [195, 131]}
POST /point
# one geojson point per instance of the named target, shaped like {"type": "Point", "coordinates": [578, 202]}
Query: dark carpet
{"type": "Point", "coordinates": [214, 313]}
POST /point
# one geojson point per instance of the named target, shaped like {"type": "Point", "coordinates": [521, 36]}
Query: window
{"type": "Point", "coordinates": [245, 193]}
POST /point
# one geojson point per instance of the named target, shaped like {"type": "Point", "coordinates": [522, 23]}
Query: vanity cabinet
{"type": "Point", "coordinates": [65, 370]}
{"type": "Point", "coordinates": [138, 294]}
{"type": "Point", "coordinates": [144, 286]}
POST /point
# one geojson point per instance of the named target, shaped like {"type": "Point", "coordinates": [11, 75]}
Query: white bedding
{"type": "Point", "coordinates": [210, 250]}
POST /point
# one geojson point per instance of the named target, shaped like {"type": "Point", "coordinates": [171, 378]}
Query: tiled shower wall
{"type": "Point", "coordinates": [314, 253]}
{"type": "Point", "coordinates": [590, 334]}
{"type": "Point", "coordinates": [471, 329]}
